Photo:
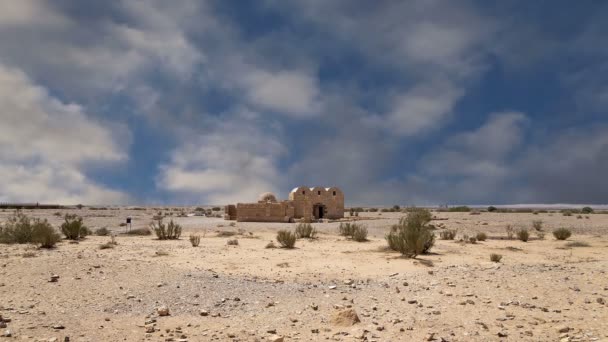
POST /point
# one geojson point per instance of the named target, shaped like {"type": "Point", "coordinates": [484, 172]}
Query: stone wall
{"type": "Point", "coordinates": [264, 212]}
{"type": "Point", "coordinates": [304, 200]}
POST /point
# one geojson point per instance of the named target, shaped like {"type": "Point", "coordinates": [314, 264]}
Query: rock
{"type": "Point", "coordinates": [7, 333]}
{"type": "Point", "coordinates": [275, 338]}
{"type": "Point", "coordinates": [332, 287]}
{"type": "Point", "coordinates": [345, 318]}
{"type": "Point", "coordinates": [563, 329]}
{"type": "Point", "coordinates": [54, 278]}
{"type": "Point", "coordinates": [2, 325]}
{"type": "Point", "coordinates": [204, 313]}
{"type": "Point", "coordinates": [502, 334]}
{"type": "Point", "coordinates": [58, 327]}
{"type": "Point", "coordinates": [600, 300]}
{"type": "Point", "coordinates": [162, 311]}
{"type": "Point", "coordinates": [348, 282]}
{"type": "Point", "coordinates": [150, 329]}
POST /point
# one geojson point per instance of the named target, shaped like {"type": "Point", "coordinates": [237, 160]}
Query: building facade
{"type": "Point", "coordinates": [304, 203]}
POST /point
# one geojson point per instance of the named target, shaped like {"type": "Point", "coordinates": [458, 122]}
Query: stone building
{"type": "Point", "coordinates": [303, 203]}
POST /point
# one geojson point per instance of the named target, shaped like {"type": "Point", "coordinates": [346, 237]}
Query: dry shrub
{"type": "Point", "coordinates": [270, 245]}
{"type": "Point", "coordinates": [412, 236]}
{"type": "Point", "coordinates": [448, 234]}
{"type": "Point", "coordinates": [171, 231]}
{"type": "Point", "coordinates": [481, 236]}
{"type": "Point", "coordinates": [232, 242]}
{"type": "Point", "coordinates": [360, 233]}
{"type": "Point", "coordinates": [102, 231]}
{"type": "Point", "coordinates": [286, 238]}
{"type": "Point", "coordinates": [495, 257]}
{"type": "Point", "coordinates": [346, 229]}
{"type": "Point", "coordinates": [305, 230]}
{"type": "Point", "coordinates": [523, 235]}
{"type": "Point", "coordinates": [472, 239]}
{"type": "Point", "coordinates": [537, 225]}
{"type": "Point", "coordinates": [562, 233]}
{"type": "Point", "coordinates": [510, 231]}
{"type": "Point", "coordinates": [139, 231]}
{"type": "Point", "coordinates": [226, 233]}
{"type": "Point", "coordinates": [107, 245]}
{"type": "Point", "coordinates": [577, 244]}
{"type": "Point", "coordinates": [19, 228]}
{"type": "Point", "coordinates": [195, 240]}
{"type": "Point", "coordinates": [540, 235]}
{"type": "Point", "coordinates": [73, 227]}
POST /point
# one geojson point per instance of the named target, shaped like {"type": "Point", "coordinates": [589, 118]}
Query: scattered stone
{"type": "Point", "coordinates": [600, 300]}
{"type": "Point", "coordinates": [54, 278]}
{"type": "Point", "coordinates": [276, 338]}
{"type": "Point", "coordinates": [58, 327]}
{"type": "Point", "coordinates": [345, 318]}
{"type": "Point", "coordinates": [204, 313]}
{"type": "Point", "coordinates": [563, 329]}
{"type": "Point", "coordinates": [162, 311]}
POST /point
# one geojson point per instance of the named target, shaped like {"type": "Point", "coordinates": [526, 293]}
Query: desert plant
{"type": "Point", "coordinates": [492, 209]}
{"type": "Point", "coordinates": [510, 231]}
{"type": "Point", "coordinates": [346, 229]}
{"type": "Point", "coordinates": [587, 210]}
{"type": "Point", "coordinates": [523, 235]}
{"type": "Point", "coordinates": [44, 234]}
{"type": "Point", "coordinates": [73, 227]}
{"type": "Point", "coordinates": [495, 257]}
{"type": "Point", "coordinates": [567, 213]}
{"type": "Point", "coordinates": [106, 245]}
{"type": "Point", "coordinates": [139, 231]}
{"type": "Point", "coordinates": [448, 234]}
{"type": "Point", "coordinates": [286, 238]}
{"type": "Point", "coordinates": [102, 231]}
{"type": "Point", "coordinates": [537, 225]}
{"type": "Point", "coordinates": [270, 245]}
{"type": "Point", "coordinates": [170, 231]}
{"type": "Point", "coordinates": [481, 236]}
{"type": "Point", "coordinates": [579, 216]}
{"type": "Point", "coordinates": [540, 235]}
{"type": "Point", "coordinates": [359, 233]}
{"type": "Point", "coordinates": [577, 244]}
{"type": "Point", "coordinates": [195, 240]}
{"type": "Point", "coordinates": [411, 236]}
{"type": "Point", "coordinates": [472, 239]}
{"type": "Point", "coordinates": [461, 209]}
{"type": "Point", "coordinates": [305, 230]}
{"type": "Point", "coordinates": [18, 229]}
{"type": "Point", "coordinates": [562, 233]}
{"type": "Point", "coordinates": [232, 242]}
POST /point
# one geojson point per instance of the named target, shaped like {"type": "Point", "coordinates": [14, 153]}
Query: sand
{"type": "Point", "coordinates": [542, 290]}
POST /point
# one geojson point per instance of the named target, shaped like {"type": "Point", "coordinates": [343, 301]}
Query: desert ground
{"type": "Point", "coordinates": [541, 290]}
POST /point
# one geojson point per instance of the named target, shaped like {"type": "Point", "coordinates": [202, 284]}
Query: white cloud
{"type": "Point", "coordinates": [28, 12]}
{"type": "Point", "coordinates": [422, 108]}
{"type": "Point", "coordinates": [292, 93]}
{"type": "Point", "coordinates": [234, 161]}
{"type": "Point", "coordinates": [45, 144]}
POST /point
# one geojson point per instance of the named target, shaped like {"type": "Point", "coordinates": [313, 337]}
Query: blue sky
{"type": "Point", "coordinates": [211, 102]}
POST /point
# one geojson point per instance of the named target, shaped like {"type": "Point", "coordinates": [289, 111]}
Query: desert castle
{"type": "Point", "coordinates": [303, 203]}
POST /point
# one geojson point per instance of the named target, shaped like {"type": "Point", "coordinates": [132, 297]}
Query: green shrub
{"type": "Point", "coordinates": [195, 240]}
{"type": "Point", "coordinates": [373, 210]}
{"type": "Point", "coordinates": [448, 234]}
{"type": "Point", "coordinates": [286, 238]}
{"type": "Point", "coordinates": [360, 233]}
{"type": "Point", "coordinates": [473, 239]}
{"type": "Point", "coordinates": [523, 235]}
{"type": "Point", "coordinates": [562, 233]}
{"type": "Point", "coordinates": [18, 229]}
{"type": "Point", "coordinates": [424, 214]}
{"type": "Point", "coordinates": [102, 232]}
{"type": "Point", "coordinates": [492, 209]}
{"type": "Point", "coordinates": [567, 213]}
{"type": "Point", "coordinates": [44, 234]}
{"type": "Point", "coordinates": [481, 236]}
{"type": "Point", "coordinates": [587, 210]}
{"type": "Point", "coordinates": [73, 227]}
{"type": "Point", "coordinates": [411, 236]}
{"type": "Point", "coordinates": [305, 230]}
{"type": "Point", "coordinates": [171, 231]}
{"type": "Point", "coordinates": [495, 257]}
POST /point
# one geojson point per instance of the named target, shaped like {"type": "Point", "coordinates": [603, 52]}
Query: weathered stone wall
{"type": "Point", "coordinates": [264, 212]}
{"type": "Point", "coordinates": [304, 200]}
{"type": "Point", "coordinates": [230, 212]}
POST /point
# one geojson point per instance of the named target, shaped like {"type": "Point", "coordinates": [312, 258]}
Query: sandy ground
{"type": "Point", "coordinates": [542, 290]}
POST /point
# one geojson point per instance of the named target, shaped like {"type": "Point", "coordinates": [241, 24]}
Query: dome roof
{"type": "Point", "coordinates": [267, 197]}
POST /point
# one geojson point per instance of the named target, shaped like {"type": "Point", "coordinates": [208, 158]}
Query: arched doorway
{"type": "Point", "coordinates": [318, 211]}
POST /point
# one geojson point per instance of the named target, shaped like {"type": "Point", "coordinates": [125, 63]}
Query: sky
{"type": "Point", "coordinates": [213, 102]}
